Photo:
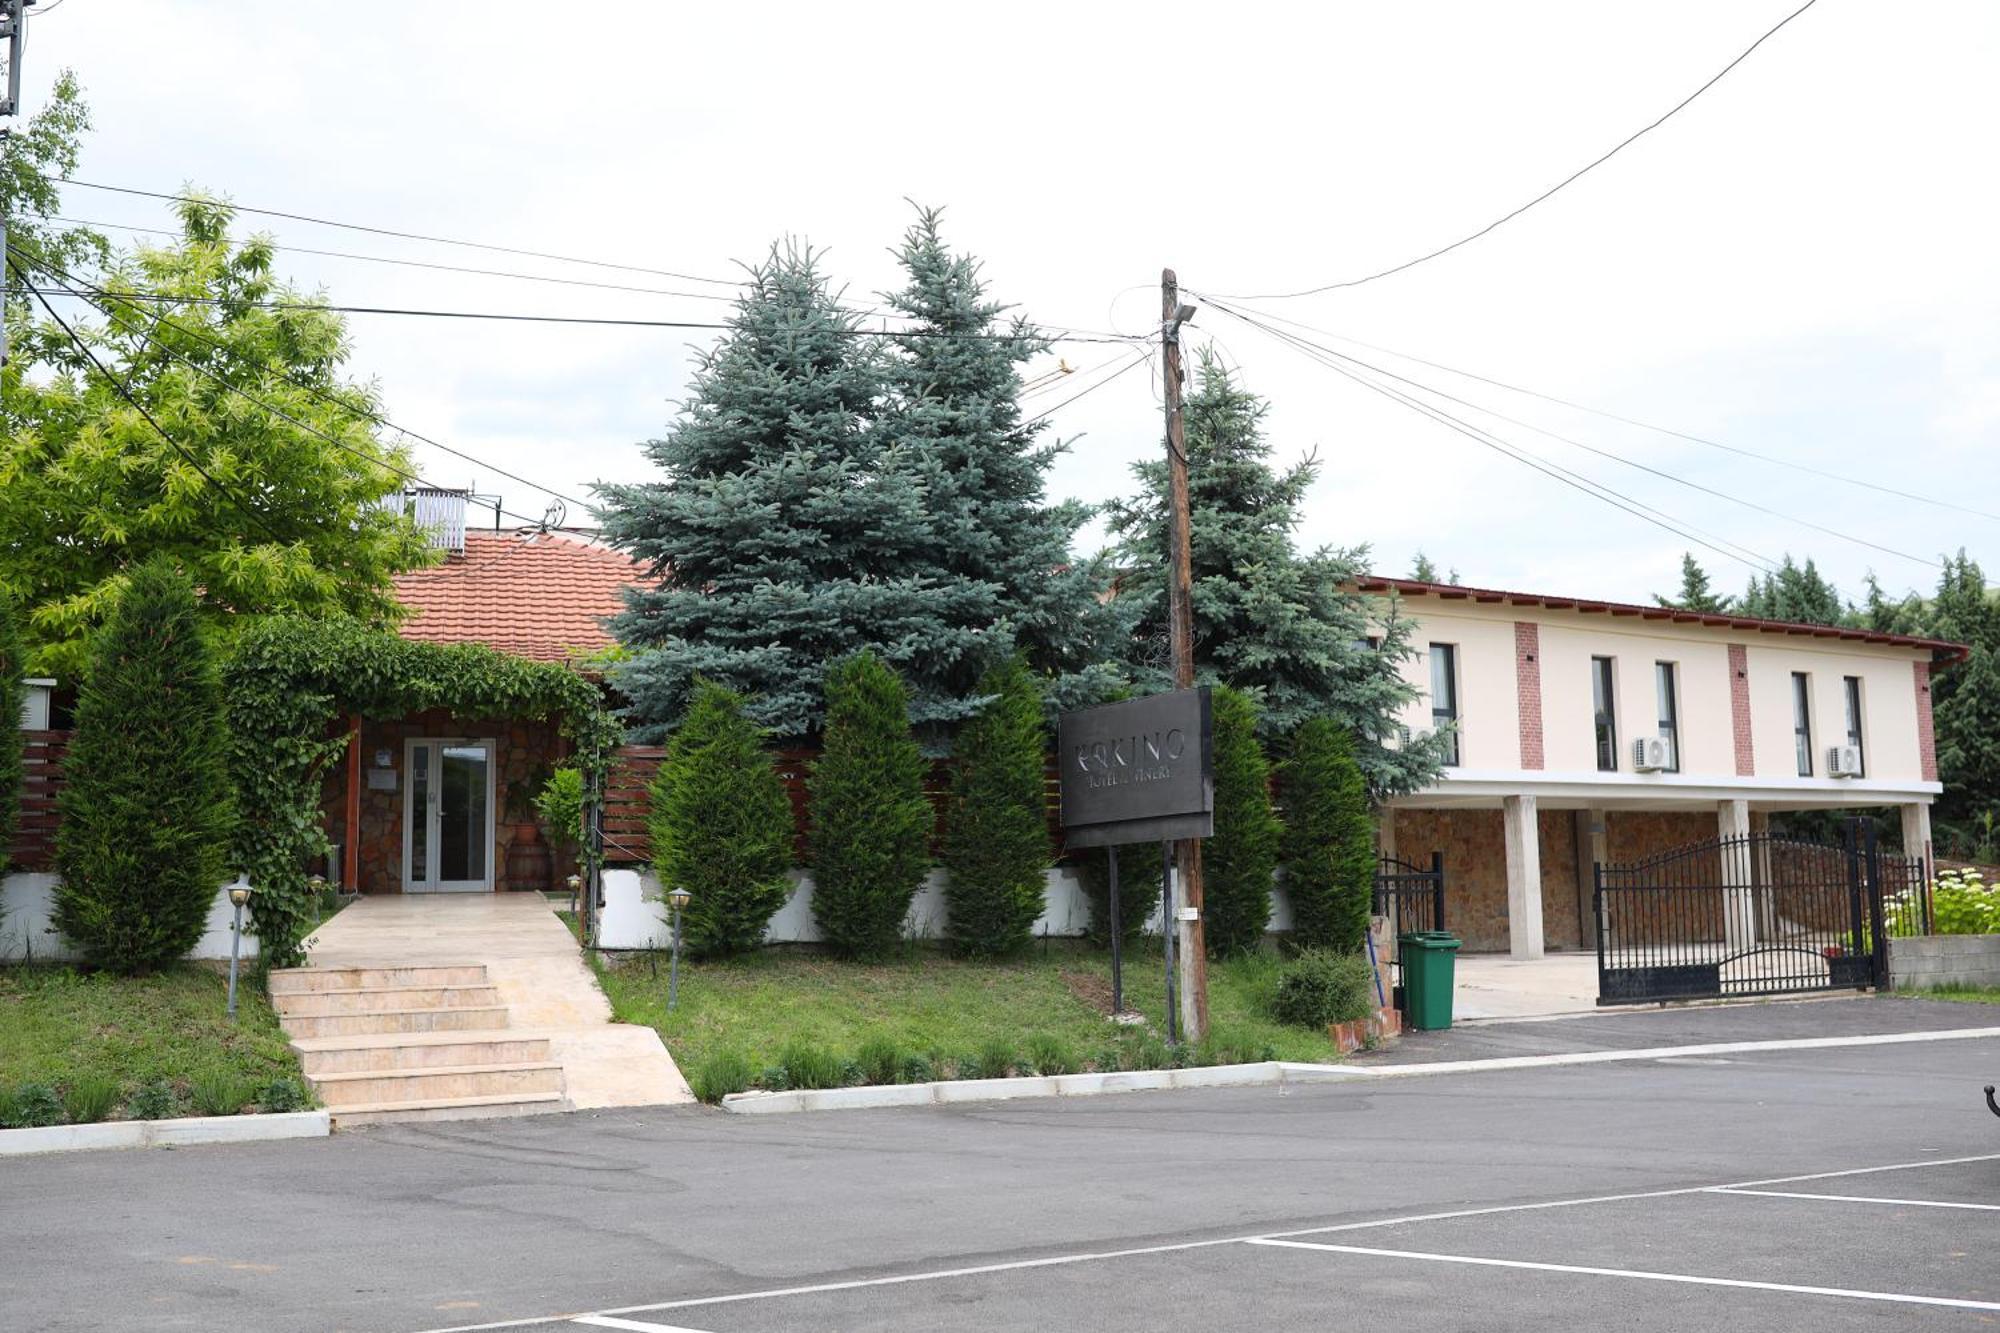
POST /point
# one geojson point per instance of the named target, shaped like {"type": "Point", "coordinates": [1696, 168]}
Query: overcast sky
{"type": "Point", "coordinates": [1802, 263]}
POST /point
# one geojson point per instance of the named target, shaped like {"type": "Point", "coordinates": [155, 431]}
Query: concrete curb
{"type": "Point", "coordinates": [1263, 1073]}
{"type": "Point", "coordinates": [166, 1133]}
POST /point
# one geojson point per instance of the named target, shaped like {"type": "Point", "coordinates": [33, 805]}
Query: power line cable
{"type": "Point", "coordinates": [1614, 456]}
{"type": "Point", "coordinates": [1576, 480]}
{"type": "Point", "coordinates": [1559, 401]}
{"type": "Point", "coordinates": [1574, 176]}
{"type": "Point", "coordinates": [125, 393]}
{"type": "Point", "coordinates": [1047, 412]}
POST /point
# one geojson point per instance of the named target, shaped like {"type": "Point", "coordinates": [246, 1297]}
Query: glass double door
{"type": "Point", "coordinates": [448, 816]}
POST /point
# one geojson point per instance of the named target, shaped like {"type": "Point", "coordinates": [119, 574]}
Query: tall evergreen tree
{"type": "Point", "coordinates": [871, 822]}
{"type": "Point", "coordinates": [1794, 592]}
{"type": "Point", "coordinates": [1965, 699]}
{"type": "Point", "coordinates": [1695, 594]}
{"type": "Point", "coordinates": [1238, 861]}
{"type": "Point", "coordinates": [1424, 571]}
{"type": "Point", "coordinates": [1885, 614]}
{"type": "Point", "coordinates": [722, 824]}
{"type": "Point", "coordinates": [1328, 850]}
{"type": "Point", "coordinates": [952, 408]}
{"type": "Point", "coordinates": [146, 802]}
{"type": "Point", "coordinates": [996, 836]}
{"type": "Point", "coordinates": [1267, 619]}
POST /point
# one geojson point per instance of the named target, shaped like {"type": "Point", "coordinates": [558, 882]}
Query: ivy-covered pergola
{"type": "Point", "coordinates": [292, 681]}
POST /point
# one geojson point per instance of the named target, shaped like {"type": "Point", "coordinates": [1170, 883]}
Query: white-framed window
{"type": "Point", "coordinates": [1444, 696]}
{"type": "Point", "coordinates": [1802, 721]}
{"type": "Point", "coordinates": [1851, 695]}
{"type": "Point", "coordinates": [1665, 688]}
{"type": "Point", "coordinates": [1604, 707]}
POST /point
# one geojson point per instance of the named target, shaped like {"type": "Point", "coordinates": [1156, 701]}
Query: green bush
{"type": "Point", "coordinates": [12, 693]}
{"type": "Point", "coordinates": [1239, 861]}
{"type": "Point", "coordinates": [996, 849]}
{"type": "Point", "coordinates": [217, 1092]}
{"type": "Point", "coordinates": [879, 1058]}
{"type": "Point", "coordinates": [154, 1101]}
{"type": "Point", "coordinates": [723, 1072]}
{"type": "Point", "coordinates": [33, 1106]}
{"type": "Point", "coordinates": [1328, 850]}
{"type": "Point", "coordinates": [871, 823]}
{"type": "Point", "coordinates": [997, 1058]}
{"type": "Point", "coordinates": [146, 802]}
{"type": "Point", "coordinates": [1962, 903]}
{"type": "Point", "coordinates": [89, 1098]}
{"type": "Point", "coordinates": [1323, 986]}
{"type": "Point", "coordinates": [809, 1066]}
{"type": "Point", "coordinates": [1050, 1054]}
{"type": "Point", "coordinates": [560, 804]}
{"type": "Point", "coordinates": [283, 1095]}
{"type": "Point", "coordinates": [722, 824]}
{"type": "Point", "coordinates": [1138, 889]}
{"type": "Point", "coordinates": [916, 1069]}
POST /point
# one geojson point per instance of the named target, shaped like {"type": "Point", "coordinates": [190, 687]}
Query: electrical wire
{"type": "Point", "coordinates": [1597, 490]}
{"type": "Point", "coordinates": [1047, 412]}
{"type": "Point", "coordinates": [1611, 455]}
{"type": "Point", "coordinates": [125, 392]}
{"type": "Point", "coordinates": [1738, 450]}
{"type": "Point", "coordinates": [1574, 176]}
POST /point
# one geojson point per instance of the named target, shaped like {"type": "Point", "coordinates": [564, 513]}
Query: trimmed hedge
{"type": "Point", "coordinates": [1240, 859]}
{"type": "Point", "coordinates": [1328, 850]}
{"type": "Point", "coordinates": [996, 848]}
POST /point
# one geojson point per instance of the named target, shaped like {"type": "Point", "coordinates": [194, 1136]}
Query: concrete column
{"type": "Point", "coordinates": [1917, 832]}
{"type": "Point", "coordinates": [1524, 877]}
{"type": "Point", "coordinates": [1739, 901]}
{"type": "Point", "coordinates": [1385, 831]}
{"type": "Point", "coordinates": [1591, 845]}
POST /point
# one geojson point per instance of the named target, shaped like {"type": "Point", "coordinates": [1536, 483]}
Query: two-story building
{"type": "Point", "coordinates": [1590, 731]}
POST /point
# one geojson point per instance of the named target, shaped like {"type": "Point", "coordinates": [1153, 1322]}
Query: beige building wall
{"type": "Point", "coordinates": [1888, 707]}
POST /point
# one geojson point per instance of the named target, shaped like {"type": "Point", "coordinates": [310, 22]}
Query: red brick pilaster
{"type": "Point", "coordinates": [1739, 710]}
{"type": "Point", "coordinates": [1528, 688]}
{"type": "Point", "coordinates": [1926, 739]}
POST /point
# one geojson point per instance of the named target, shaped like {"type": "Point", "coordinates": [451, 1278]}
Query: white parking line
{"type": "Point", "coordinates": [1896, 1298]}
{"type": "Point", "coordinates": [1859, 1198]}
{"type": "Point", "coordinates": [635, 1326]}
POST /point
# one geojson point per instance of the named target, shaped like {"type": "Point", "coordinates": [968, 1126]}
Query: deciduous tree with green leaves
{"type": "Point", "coordinates": [12, 696]}
{"type": "Point", "coordinates": [1238, 861]}
{"type": "Point", "coordinates": [871, 822]}
{"type": "Point", "coordinates": [996, 848]}
{"type": "Point", "coordinates": [1328, 851]}
{"type": "Point", "coordinates": [722, 824]}
{"type": "Point", "coordinates": [265, 516]}
{"type": "Point", "coordinates": [146, 804]}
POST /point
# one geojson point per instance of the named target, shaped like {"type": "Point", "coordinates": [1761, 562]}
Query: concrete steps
{"type": "Point", "coordinates": [427, 1042]}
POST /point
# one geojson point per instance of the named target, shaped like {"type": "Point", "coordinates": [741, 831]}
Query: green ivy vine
{"type": "Point", "coordinates": [290, 683]}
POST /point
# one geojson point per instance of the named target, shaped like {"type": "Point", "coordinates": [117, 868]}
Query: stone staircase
{"type": "Point", "coordinates": [428, 1042]}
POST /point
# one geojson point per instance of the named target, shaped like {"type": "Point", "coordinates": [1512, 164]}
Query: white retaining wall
{"type": "Point", "coordinates": [27, 904]}
{"type": "Point", "coordinates": [1945, 960]}
{"type": "Point", "coordinates": [635, 914]}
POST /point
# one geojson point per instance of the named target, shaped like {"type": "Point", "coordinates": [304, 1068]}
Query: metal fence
{"type": "Point", "coordinates": [1411, 896]}
{"type": "Point", "coordinates": [1754, 915]}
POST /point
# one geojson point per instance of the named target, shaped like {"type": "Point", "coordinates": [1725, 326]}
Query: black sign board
{"type": "Point", "coordinates": [1138, 771]}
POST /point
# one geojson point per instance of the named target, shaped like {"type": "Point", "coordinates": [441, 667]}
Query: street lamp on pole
{"type": "Point", "coordinates": [239, 894]}
{"type": "Point", "coordinates": [677, 899]}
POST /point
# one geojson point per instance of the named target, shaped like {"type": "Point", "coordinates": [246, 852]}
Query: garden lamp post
{"type": "Point", "coordinates": [677, 899]}
{"type": "Point", "coordinates": [239, 894]}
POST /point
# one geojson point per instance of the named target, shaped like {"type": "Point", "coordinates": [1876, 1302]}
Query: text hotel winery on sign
{"type": "Point", "coordinates": [1137, 771]}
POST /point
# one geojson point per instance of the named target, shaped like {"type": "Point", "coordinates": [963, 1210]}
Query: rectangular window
{"type": "Point", "coordinates": [1802, 721]}
{"type": "Point", "coordinates": [1444, 694]}
{"type": "Point", "coordinates": [1607, 714]}
{"type": "Point", "coordinates": [1670, 716]}
{"type": "Point", "coordinates": [1853, 692]}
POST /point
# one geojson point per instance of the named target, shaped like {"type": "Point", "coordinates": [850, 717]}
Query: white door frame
{"type": "Point", "coordinates": [430, 815]}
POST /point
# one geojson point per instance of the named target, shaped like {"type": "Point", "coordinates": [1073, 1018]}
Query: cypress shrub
{"type": "Point", "coordinates": [1329, 842]}
{"type": "Point", "coordinates": [12, 668]}
{"type": "Point", "coordinates": [1240, 859]}
{"type": "Point", "coordinates": [996, 838]}
{"type": "Point", "coordinates": [146, 807]}
{"type": "Point", "coordinates": [1138, 889]}
{"type": "Point", "coordinates": [871, 823]}
{"type": "Point", "coordinates": [722, 824]}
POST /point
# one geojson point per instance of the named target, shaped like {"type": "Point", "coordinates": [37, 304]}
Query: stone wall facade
{"type": "Point", "coordinates": [1945, 960]}
{"type": "Point", "coordinates": [524, 754]}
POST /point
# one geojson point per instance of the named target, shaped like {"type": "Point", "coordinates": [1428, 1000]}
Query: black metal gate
{"type": "Point", "coordinates": [1753, 915]}
{"type": "Point", "coordinates": [1411, 896]}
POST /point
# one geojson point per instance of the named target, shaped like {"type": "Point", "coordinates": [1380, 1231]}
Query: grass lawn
{"type": "Point", "coordinates": [1046, 1011]}
{"type": "Point", "coordinates": [164, 1036]}
{"type": "Point", "coordinates": [1972, 994]}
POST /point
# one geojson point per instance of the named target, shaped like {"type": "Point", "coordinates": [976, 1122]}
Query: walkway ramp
{"type": "Point", "coordinates": [445, 1007]}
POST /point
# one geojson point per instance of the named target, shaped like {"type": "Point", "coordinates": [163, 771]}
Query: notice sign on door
{"type": "Point", "coordinates": [1137, 771]}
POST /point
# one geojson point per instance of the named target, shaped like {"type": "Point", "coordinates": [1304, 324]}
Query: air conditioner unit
{"type": "Point", "coordinates": [1844, 761]}
{"type": "Point", "coordinates": [1649, 754]}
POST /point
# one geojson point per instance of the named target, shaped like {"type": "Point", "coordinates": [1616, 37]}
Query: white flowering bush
{"type": "Point", "coordinates": [1963, 903]}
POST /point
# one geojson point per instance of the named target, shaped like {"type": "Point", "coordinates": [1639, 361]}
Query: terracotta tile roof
{"type": "Point", "coordinates": [537, 595]}
{"type": "Point", "coordinates": [1450, 592]}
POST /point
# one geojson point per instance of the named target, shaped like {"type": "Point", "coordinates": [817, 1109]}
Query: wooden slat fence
{"type": "Point", "coordinates": [35, 836]}
{"type": "Point", "coordinates": [626, 799]}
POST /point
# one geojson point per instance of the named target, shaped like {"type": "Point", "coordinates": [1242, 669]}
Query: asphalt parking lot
{"type": "Point", "coordinates": [1833, 1188]}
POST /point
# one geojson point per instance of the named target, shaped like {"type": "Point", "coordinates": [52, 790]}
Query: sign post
{"type": "Point", "coordinates": [1139, 771]}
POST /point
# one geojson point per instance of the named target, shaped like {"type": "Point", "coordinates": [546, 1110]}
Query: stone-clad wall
{"type": "Point", "coordinates": [525, 753]}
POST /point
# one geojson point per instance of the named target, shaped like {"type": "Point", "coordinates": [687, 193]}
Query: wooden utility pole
{"type": "Point", "coordinates": [1193, 962]}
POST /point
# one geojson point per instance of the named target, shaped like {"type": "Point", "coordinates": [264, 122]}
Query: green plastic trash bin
{"type": "Point", "coordinates": [1429, 959]}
